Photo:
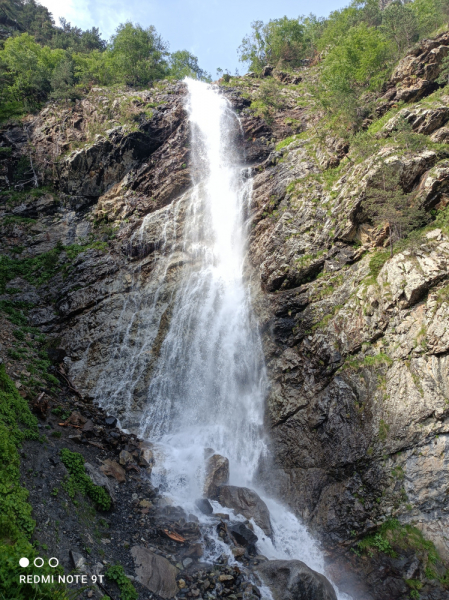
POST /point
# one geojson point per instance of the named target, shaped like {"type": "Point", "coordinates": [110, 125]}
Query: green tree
{"type": "Point", "coordinates": [62, 80]}
{"type": "Point", "coordinates": [138, 55]}
{"type": "Point", "coordinates": [359, 61]}
{"type": "Point", "coordinates": [268, 99]}
{"type": "Point", "coordinates": [400, 25]}
{"type": "Point", "coordinates": [430, 14]}
{"type": "Point", "coordinates": [29, 67]}
{"type": "Point", "coordinates": [75, 39]}
{"type": "Point", "coordinates": [280, 42]}
{"type": "Point", "coordinates": [387, 204]}
{"type": "Point", "coordinates": [184, 64]}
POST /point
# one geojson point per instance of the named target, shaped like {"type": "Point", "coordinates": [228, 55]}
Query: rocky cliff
{"type": "Point", "coordinates": [356, 342]}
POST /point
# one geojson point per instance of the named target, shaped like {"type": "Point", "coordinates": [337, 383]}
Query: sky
{"type": "Point", "coordinates": [212, 30]}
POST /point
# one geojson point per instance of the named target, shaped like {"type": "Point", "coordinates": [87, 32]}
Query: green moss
{"type": "Point", "coordinates": [394, 537]}
{"type": "Point", "coordinates": [286, 142]}
{"type": "Point", "coordinates": [15, 220]}
{"type": "Point", "coordinates": [41, 268]}
{"type": "Point", "coordinates": [78, 481]}
{"type": "Point", "coordinates": [377, 261]}
{"type": "Point", "coordinates": [36, 269]}
{"type": "Point", "coordinates": [127, 590]}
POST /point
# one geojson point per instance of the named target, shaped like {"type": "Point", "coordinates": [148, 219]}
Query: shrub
{"type": "Point", "coordinates": [78, 481]}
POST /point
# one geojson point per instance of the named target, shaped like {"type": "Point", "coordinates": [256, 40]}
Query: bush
{"type": "Point", "coordinates": [127, 590]}
{"type": "Point", "coordinates": [78, 481]}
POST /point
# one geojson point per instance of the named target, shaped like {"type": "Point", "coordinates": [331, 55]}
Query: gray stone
{"type": "Point", "coordinates": [204, 506]}
{"type": "Point", "coordinates": [155, 572]}
{"type": "Point", "coordinates": [293, 580]}
{"type": "Point", "coordinates": [217, 474]}
{"type": "Point", "coordinates": [78, 560]}
{"type": "Point", "coordinates": [247, 503]}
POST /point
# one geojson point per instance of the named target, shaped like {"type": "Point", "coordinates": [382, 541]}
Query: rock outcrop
{"type": "Point", "coordinates": [247, 503]}
{"type": "Point", "coordinates": [293, 580]}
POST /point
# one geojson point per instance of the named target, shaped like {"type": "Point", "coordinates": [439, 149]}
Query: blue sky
{"type": "Point", "coordinates": [210, 29]}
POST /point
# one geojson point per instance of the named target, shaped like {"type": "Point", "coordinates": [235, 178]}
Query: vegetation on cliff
{"type": "Point", "coordinates": [39, 60]}
{"type": "Point", "coordinates": [356, 48]}
{"type": "Point", "coordinates": [17, 424]}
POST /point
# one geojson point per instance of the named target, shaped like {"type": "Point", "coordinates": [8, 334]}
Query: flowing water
{"type": "Point", "coordinates": [209, 384]}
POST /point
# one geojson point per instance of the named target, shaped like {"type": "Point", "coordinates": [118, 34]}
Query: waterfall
{"type": "Point", "coordinates": [208, 384]}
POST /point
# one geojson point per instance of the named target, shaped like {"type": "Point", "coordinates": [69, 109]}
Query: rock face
{"type": "Point", "coordinates": [293, 580]}
{"type": "Point", "coordinates": [356, 343]}
{"type": "Point", "coordinates": [155, 572]}
{"type": "Point", "coordinates": [247, 503]}
{"type": "Point", "coordinates": [217, 474]}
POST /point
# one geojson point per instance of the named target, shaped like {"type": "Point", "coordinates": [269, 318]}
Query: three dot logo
{"type": "Point", "coordinates": [39, 562]}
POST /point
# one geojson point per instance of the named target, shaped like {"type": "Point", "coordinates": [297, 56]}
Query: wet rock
{"type": "Point", "coordinates": [88, 427]}
{"type": "Point", "coordinates": [217, 474]}
{"type": "Point", "coordinates": [238, 552]}
{"type": "Point", "coordinates": [242, 534]}
{"type": "Point", "coordinates": [293, 580]}
{"type": "Point", "coordinates": [204, 506]}
{"type": "Point", "coordinates": [110, 421]}
{"type": "Point", "coordinates": [247, 503]}
{"type": "Point", "coordinates": [195, 551]}
{"type": "Point", "coordinates": [76, 419]}
{"type": "Point", "coordinates": [40, 405]}
{"type": "Point", "coordinates": [155, 572]}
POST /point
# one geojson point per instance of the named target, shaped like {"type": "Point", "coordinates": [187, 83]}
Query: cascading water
{"type": "Point", "coordinates": [208, 385]}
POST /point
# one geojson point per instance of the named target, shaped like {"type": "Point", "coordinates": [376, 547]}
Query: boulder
{"type": "Point", "coordinates": [155, 572]}
{"type": "Point", "coordinates": [247, 503]}
{"type": "Point", "coordinates": [243, 534]}
{"type": "Point", "coordinates": [294, 580]}
{"type": "Point", "coordinates": [441, 135]}
{"type": "Point", "coordinates": [217, 474]}
{"type": "Point", "coordinates": [113, 469]}
{"type": "Point", "coordinates": [204, 506]}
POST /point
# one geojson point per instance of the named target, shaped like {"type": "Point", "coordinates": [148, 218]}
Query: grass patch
{"type": "Point", "coordinates": [393, 536]}
{"type": "Point", "coordinates": [79, 481]}
{"type": "Point", "coordinates": [372, 361]}
{"type": "Point", "coordinates": [39, 269]}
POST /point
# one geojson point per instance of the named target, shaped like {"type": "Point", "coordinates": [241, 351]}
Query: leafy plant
{"type": "Point", "coordinates": [127, 590]}
{"type": "Point", "coordinates": [78, 481]}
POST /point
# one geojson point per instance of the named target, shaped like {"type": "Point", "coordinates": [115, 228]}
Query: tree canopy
{"type": "Point", "coordinates": [39, 60]}
{"type": "Point", "coordinates": [355, 48]}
